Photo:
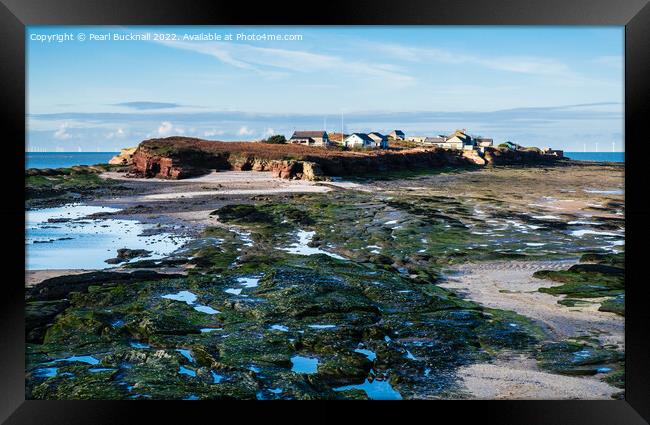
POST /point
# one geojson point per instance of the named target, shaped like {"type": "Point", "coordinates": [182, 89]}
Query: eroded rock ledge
{"type": "Point", "coordinates": [182, 157]}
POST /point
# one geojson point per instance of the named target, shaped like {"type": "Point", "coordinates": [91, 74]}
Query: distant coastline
{"type": "Point", "coordinates": [596, 156]}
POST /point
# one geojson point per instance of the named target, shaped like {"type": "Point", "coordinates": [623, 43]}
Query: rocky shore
{"type": "Point", "coordinates": [487, 282]}
{"type": "Point", "coordinates": [182, 157]}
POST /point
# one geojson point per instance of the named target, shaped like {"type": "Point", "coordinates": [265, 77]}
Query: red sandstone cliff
{"type": "Point", "coordinates": [181, 157]}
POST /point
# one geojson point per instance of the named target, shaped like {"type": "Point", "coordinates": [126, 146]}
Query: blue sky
{"type": "Point", "coordinates": [541, 86]}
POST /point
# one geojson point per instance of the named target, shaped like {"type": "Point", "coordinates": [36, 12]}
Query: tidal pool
{"type": "Point", "coordinates": [185, 371]}
{"type": "Point", "coordinates": [216, 378]}
{"type": "Point", "coordinates": [280, 328]}
{"type": "Point", "coordinates": [185, 296]}
{"type": "Point", "coordinates": [82, 359]}
{"type": "Point", "coordinates": [187, 354]}
{"type": "Point", "coordinates": [606, 192]}
{"type": "Point", "coordinates": [190, 298]}
{"type": "Point", "coordinates": [206, 309]}
{"type": "Point", "coordinates": [46, 372]}
{"type": "Point", "coordinates": [302, 248]}
{"type": "Point", "coordinates": [301, 364]}
{"type": "Point", "coordinates": [61, 238]}
{"type": "Point", "coordinates": [249, 282]}
{"type": "Point", "coordinates": [375, 390]}
{"type": "Point", "coordinates": [368, 353]}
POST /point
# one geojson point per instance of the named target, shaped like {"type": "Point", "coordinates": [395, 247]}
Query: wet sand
{"type": "Point", "coordinates": [518, 378]}
{"type": "Point", "coordinates": [217, 184]}
{"type": "Point", "coordinates": [511, 286]}
{"type": "Point", "coordinates": [34, 277]}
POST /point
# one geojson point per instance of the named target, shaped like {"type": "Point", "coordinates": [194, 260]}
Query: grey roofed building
{"type": "Point", "coordinates": [462, 136]}
{"type": "Point", "coordinates": [359, 140]}
{"type": "Point", "coordinates": [434, 140]}
{"type": "Point", "coordinates": [377, 136]}
{"type": "Point", "coordinates": [396, 134]}
{"type": "Point", "coordinates": [310, 138]}
{"type": "Point", "coordinates": [364, 137]}
{"type": "Point", "coordinates": [309, 134]}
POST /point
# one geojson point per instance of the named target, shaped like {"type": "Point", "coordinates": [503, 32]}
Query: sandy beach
{"type": "Point", "coordinates": [34, 277]}
{"type": "Point", "coordinates": [511, 286]}
{"type": "Point", "coordinates": [517, 377]}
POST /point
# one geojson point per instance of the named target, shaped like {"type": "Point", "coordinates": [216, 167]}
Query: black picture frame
{"type": "Point", "coordinates": [15, 15]}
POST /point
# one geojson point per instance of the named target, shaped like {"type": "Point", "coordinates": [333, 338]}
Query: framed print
{"type": "Point", "coordinates": [423, 201]}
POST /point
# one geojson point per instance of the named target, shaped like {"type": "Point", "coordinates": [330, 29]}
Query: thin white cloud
{"type": "Point", "coordinates": [245, 131]}
{"type": "Point", "coordinates": [165, 128]}
{"type": "Point", "coordinates": [213, 132]}
{"type": "Point", "coordinates": [518, 64]}
{"type": "Point", "coordinates": [61, 133]}
{"type": "Point", "coordinates": [117, 134]}
{"type": "Point", "coordinates": [260, 59]}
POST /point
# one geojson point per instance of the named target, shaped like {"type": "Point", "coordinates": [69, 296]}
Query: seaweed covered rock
{"type": "Point", "coordinates": [59, 287]}
{"type": "Point", "coordinates": [590, 280]}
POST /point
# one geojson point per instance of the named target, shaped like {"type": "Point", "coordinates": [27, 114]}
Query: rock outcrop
{"type": "Point", "coordinates": [182, 157]}
{"type": "Point", "coordinates": [124, 158]}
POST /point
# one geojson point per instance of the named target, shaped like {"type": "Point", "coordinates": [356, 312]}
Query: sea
{"type": "Point", "coordinates": [68, 159]}
{"type": "Point", "coordinates": [596, 156]}
{"type": "Point", "coordinates": [65, 159]}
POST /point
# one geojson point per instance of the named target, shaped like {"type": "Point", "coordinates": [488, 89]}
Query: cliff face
{"type": "Point", "coordinates": [178, 157]}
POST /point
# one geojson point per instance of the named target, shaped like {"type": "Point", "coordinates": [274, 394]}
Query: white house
{"type": "Point", "coordinates": [380, 140]}
{"type": "Point", "coordinates": [483, 142]}
{"type": "Point", "coordinates": [459, 140]}
{"type": "Point", "coordinates": [435, 141]}
{"type": "Point", "coordinates": [417, 139]}
{"type": "Point", "coordinates": [359, 140]}
{"type": "Point", "coordinates": [310, 138]}
{"type": "Point", "coordinates": [396, 135]}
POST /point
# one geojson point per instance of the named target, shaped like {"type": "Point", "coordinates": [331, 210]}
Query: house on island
{"type": "Point", "coordinates": [396, 135]}
{"type": "Point", "coordinates": [460, 140]}
{"type": "Point", "coordinates": [310, 138]}
{"type": "Point", "coordinates": [359, 140]}
{"type": "Point", "coordinates": [417, 139]}
{"type": "Point", "coordinates": [484, 142]}
{"type": "Point", "coordinates": [434, 141]}
{"type": "Point", "coordinates": [380, 140]}
{"type": "Point", "coordinates": [553, 152]}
